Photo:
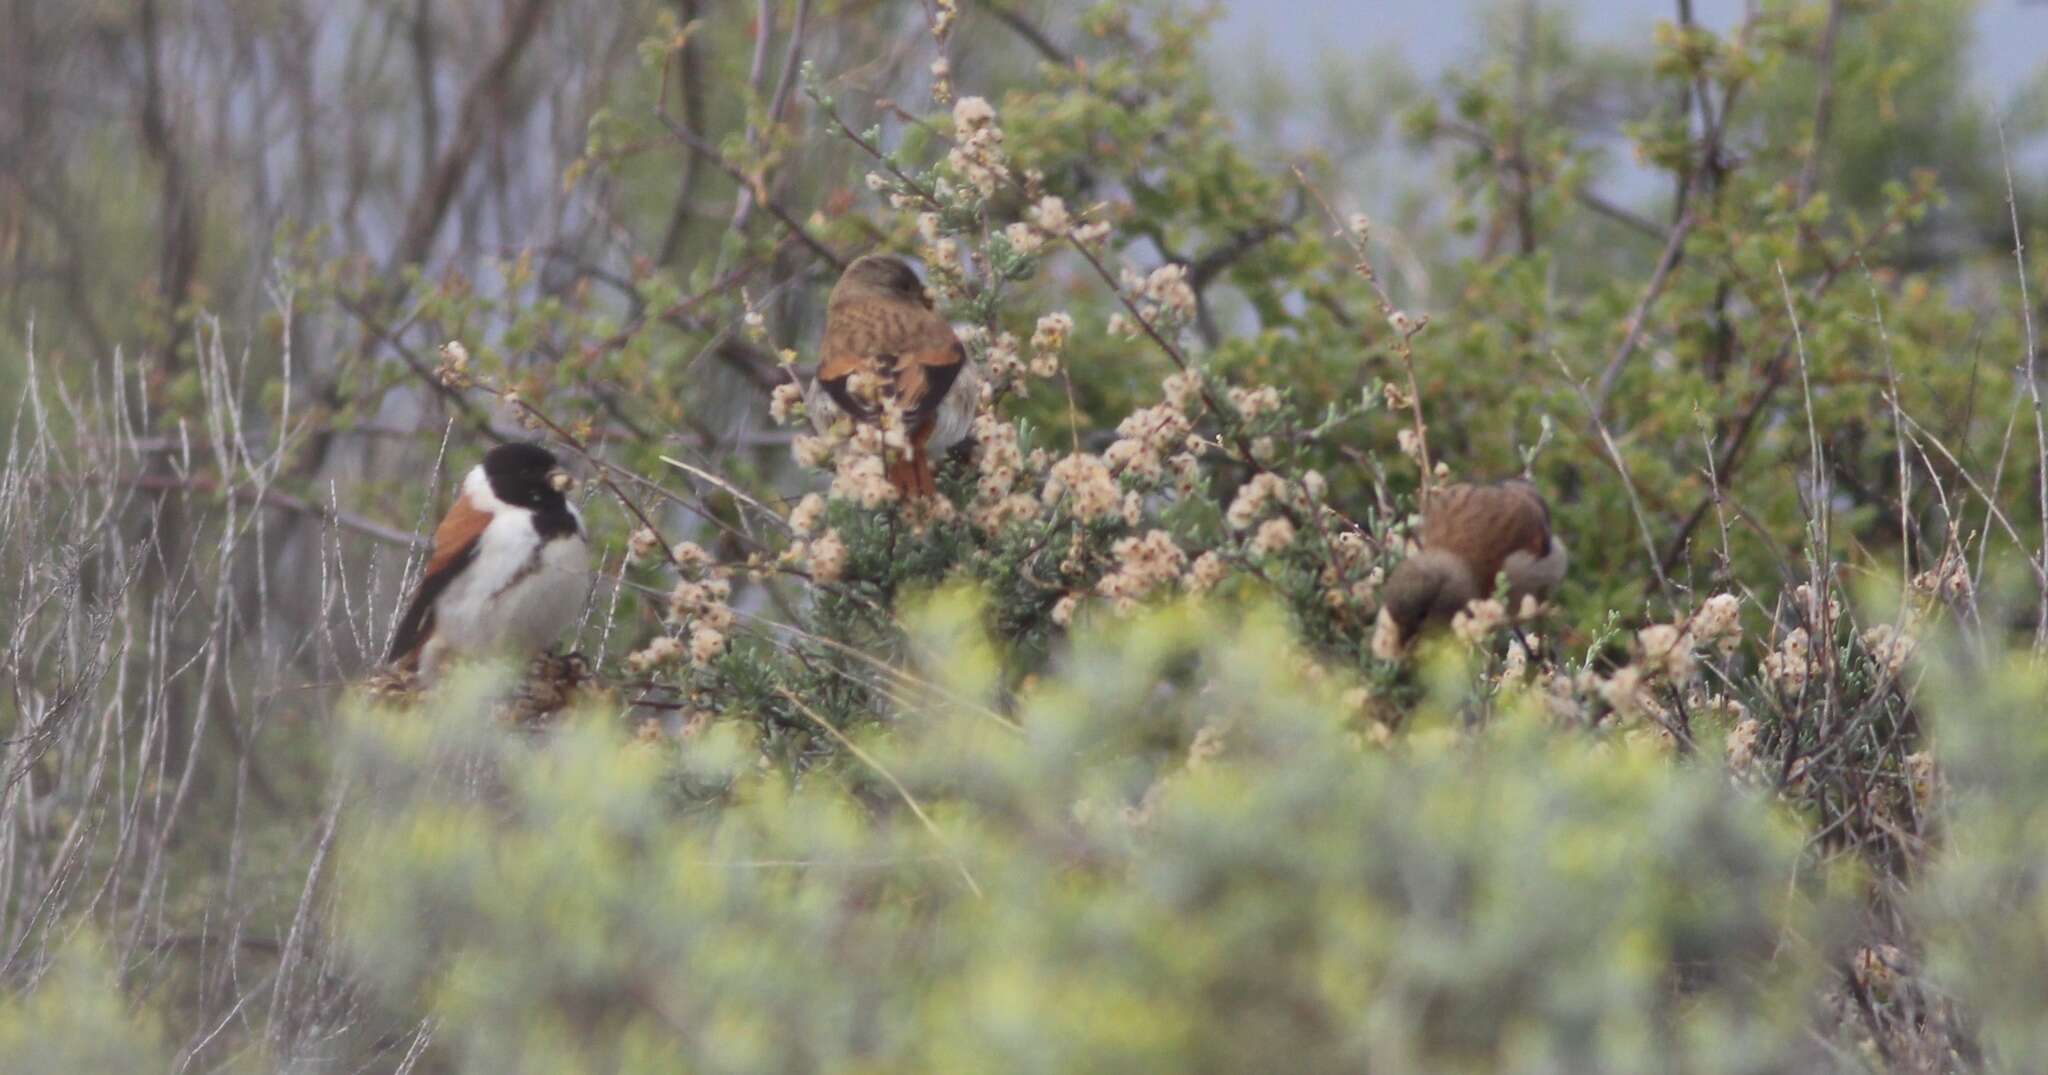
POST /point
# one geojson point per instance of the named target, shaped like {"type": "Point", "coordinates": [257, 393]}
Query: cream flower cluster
{"type": "Point", "coordinates": [1023, 238]}
{"type": "Point", "coordinates": [810, 451]}
{"type": "Point", "coordinates": [786, 402]}
{"type": "Point", "coordinates": [1628, 692]}
{"type": "Point", "coordinates": [1142, 565]}
{"type": "Point", "coordinates": [999, 464]}
{"type": "Point", "coordinates": [1891, 646]}
{"type": "Point", "coordinates": [1255, 402]}
{"type": "Point", "coordinates": [1206, 572]}
{"type": "Point", "coordinates": [1163, 297]}
{"type": "Point", "coordinates": [804, 518]}
{"type": "Point", "coordinates": [1664, 651]}
{"type": "Point", "coordinates": [824, 556]}
{"type": "Point", "coordinates": [698, 613]}
{"type": "Point", "coordinates": [1791, 664]}
{"type": "Point", "coordinates": [860, 473]}
{"type": "Point", "coordinates": [827, 556]}
{"type": "Point", "coordinates": [1048, 339]}
{"type": "Point", "coordinates": [977, 154]}
{"type": "Point", "coordinates": [1666, 655]}
{"type": "Point", "coordinates": [642, 543]}
{"type": "Point", "coordinates": [1252, 498]}
{"type": "Point", "coordinates": [1744, 743]}
{"type": "Point", "coordinates": [1274, 535]}
{"type": "Point", "coordinates": [1050, 216]}
{"type": "Point", "coordinates": [1087, 481]}
{"type": "Point", "coordinates": [1478, 620]}
{"type": "Point", "coordinates": [1001, 359]}
{"type": "Point", "coordinates": [1719, 622]}
{"type": "Point", "coordinates": [1146, 438]}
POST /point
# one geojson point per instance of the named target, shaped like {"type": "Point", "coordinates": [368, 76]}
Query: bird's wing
{"type": "Point", "coordinates": [1482, 524]}
{"type": "Point", "coordinates": [911, 349]}
{"type": "Point", "coordinates": [455, 543]}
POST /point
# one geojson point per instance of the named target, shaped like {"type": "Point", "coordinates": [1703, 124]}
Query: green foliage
{"type": "Point", "coordinates": [76, 1018]}
{"type": "Point", "coordinates": [1986, 901]}
{"type": "Point", "coordinates": [1139, 788]}
{"type": "Point", "coordinates": [1177, 857]}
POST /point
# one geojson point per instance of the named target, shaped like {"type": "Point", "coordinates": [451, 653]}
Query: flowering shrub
{"type": "Point", "coordinates": [1106, 756]}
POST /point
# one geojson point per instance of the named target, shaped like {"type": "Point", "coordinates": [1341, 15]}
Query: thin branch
{"type": "Point", "coordinates": [2030, 369]}
{"type": "Point", "coordinates": [903, 792]}
{"type": "Point", "coordinates": [1032, 35]}
{"type": "Point", "coordinates": [484, 96]}
{"type": "Point", "coordinates": [1620, 468]}
{"type": "Point", "coordinates": [1823, 104]}
{"type": "Point", "coordinates": [1674, 250]}
{"type": "Point", "coordinates": [271, 498]}
{"type": "Point", "coordinates": [689, 73]}
{"type": "Point", "coordinates": [696, 142]}
{"type": "Point", "coordinates": [1627, 217]}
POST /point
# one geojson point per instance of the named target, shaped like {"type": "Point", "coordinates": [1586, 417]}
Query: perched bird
{"type": "Point", "coordinates": [509, 567]}
{"type": "Point", "coordinates": [1471, 534]}
{"type": "Point", "coordinates": [886, 350]}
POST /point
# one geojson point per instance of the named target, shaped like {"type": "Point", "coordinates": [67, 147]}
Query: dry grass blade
{"type": "Point", "coordinates": [882, 771]}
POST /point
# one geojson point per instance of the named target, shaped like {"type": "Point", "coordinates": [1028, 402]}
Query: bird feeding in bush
{"type": "Point", "coordinates": [888, 360]}
{"type": "Point", "coordinates": [1471, 536]}
{"type": "Point", "coordinates": [509, 566]}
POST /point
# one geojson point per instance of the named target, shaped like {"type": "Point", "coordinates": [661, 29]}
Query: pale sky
{"type": "Point", "coordinates": [2012, 34]}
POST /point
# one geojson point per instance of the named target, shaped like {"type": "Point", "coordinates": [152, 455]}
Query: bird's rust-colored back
{"type": "Point", "coordinates": [1483, 524]}
{"type": "Point", "coordinates": [879, 321]}
{"type": "Point", "coordinates": [455, 543]}
{"type": "Point", "coordinates": [910, 348]}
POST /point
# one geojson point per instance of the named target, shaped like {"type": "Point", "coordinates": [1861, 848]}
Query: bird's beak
{"type": "Point", "coordinates": [560, 480]}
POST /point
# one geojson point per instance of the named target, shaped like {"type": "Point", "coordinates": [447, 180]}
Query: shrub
{"type": "Point", "coordinates": [1178, 855]}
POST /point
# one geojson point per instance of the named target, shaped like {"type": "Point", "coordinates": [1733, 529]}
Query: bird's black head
{"type": "Point", "coordinates": [527, 476]}
{"type": "Point", "coordinates": [886, 274]}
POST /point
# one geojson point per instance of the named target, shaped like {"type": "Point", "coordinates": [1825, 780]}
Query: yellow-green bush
{"type": "Point", "coordinates": [1178, 858]}
{"type": "Point", "coordinates": [76, 1018]}
{"type": "Point", "coordinates": [1985, 903]}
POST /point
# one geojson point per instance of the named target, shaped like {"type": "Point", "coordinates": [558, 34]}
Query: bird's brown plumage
{"type": "Point", "coordinates": [1470, 535]}
{"type": "Point", "coordinates": [1482, 524]}
{"type": "Point", "coordinates": [879, 321]}
{"type": "Point", "coordinates": [454, 543]}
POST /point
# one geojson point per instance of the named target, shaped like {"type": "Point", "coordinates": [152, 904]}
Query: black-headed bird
{"type": "Point", "coordinates": [509, 569]}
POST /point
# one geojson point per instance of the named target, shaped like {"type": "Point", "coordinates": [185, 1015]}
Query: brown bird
{"type": "Point", "coordinates": [887, 350]}
{"type": "Point", "coordinates": [1471, 534]}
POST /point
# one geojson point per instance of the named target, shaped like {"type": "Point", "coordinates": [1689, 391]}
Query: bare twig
{"type": "Point", "coordinates": [752, 182]}
{"type": "Point", "coordinates": [2030, 373]}
{"type": "Point", "coordinates": [1620, 468]}
{"type": "Point", "coordinates": [1674, 250]}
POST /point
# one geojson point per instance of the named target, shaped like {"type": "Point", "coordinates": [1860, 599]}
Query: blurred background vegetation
{"type": "Point", "coordinates": [1754, 296]}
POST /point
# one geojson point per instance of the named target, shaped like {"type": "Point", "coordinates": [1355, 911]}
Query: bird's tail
{"type": "Point", "coordinates": [911, 474]}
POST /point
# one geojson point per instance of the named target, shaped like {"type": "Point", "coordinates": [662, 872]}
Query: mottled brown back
{"type": "Point", "coordinates": [1482, 524]}
{"type": "Point", "coordinates": [908, 345]}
